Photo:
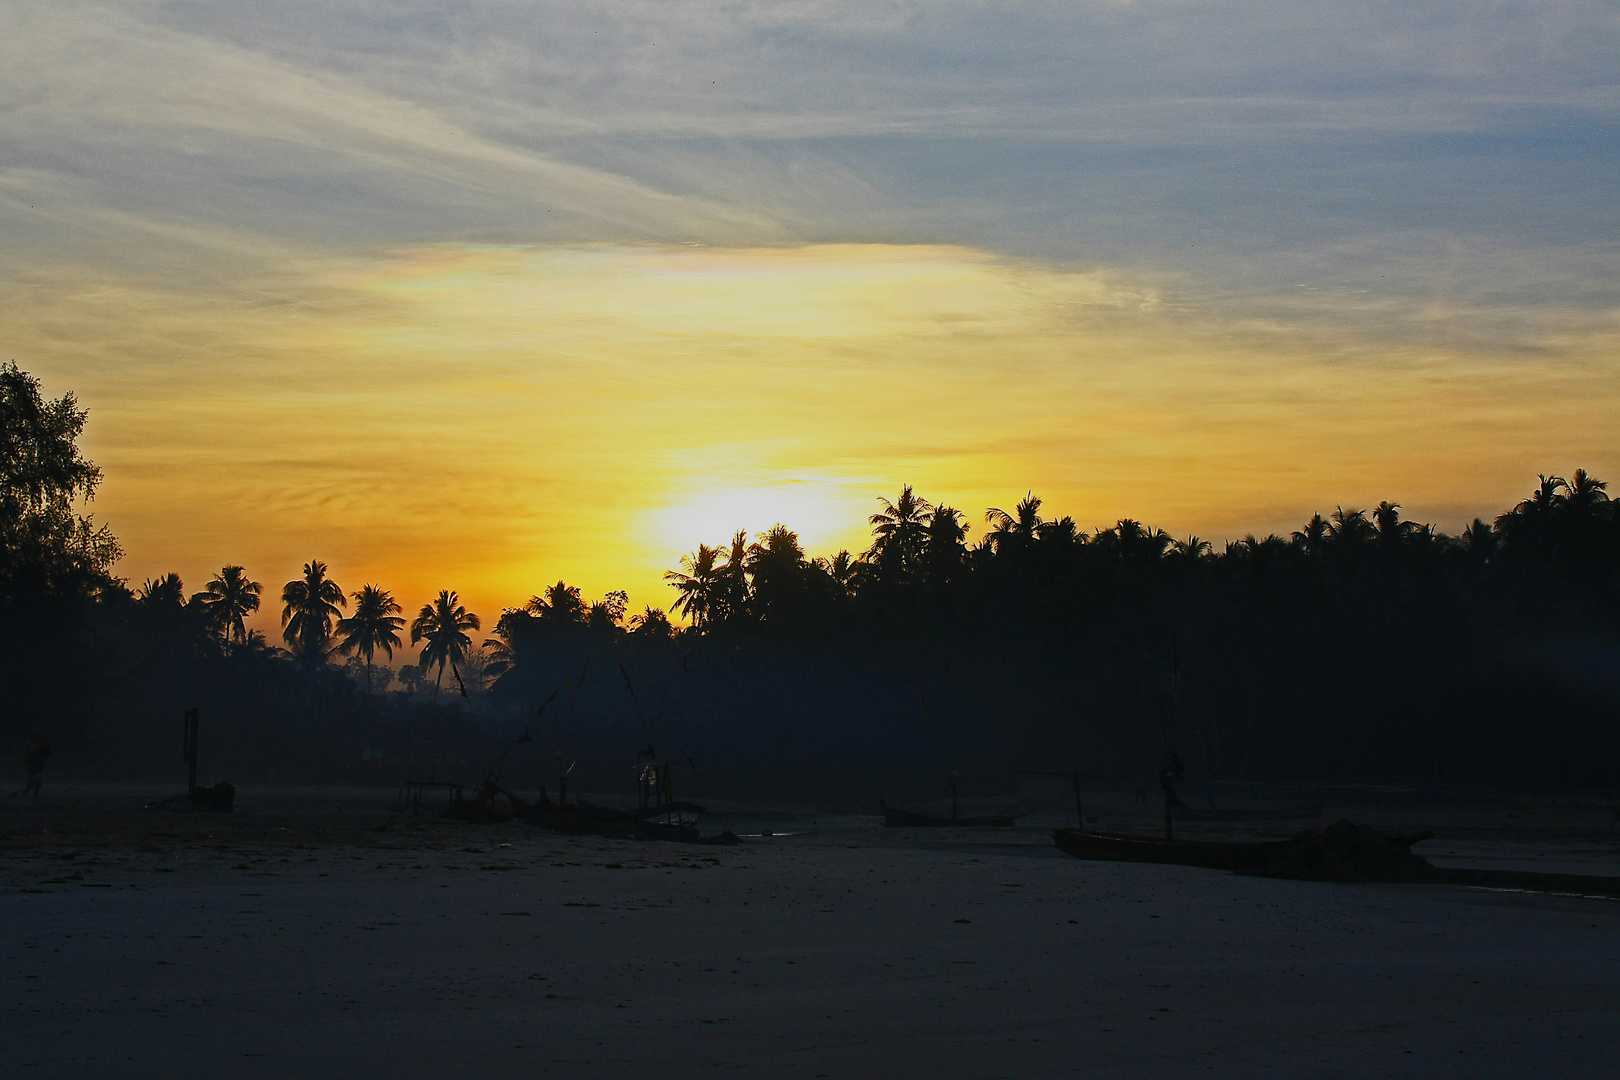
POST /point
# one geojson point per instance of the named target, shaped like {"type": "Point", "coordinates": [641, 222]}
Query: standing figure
{"type": "Point", "coordinates": [35, 750]}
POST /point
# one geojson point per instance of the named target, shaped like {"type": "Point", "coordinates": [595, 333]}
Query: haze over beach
{"type": "Point", "coordinates": [491, 295]}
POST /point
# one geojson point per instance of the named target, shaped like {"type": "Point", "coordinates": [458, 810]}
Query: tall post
{"type": "Point", "coordinates": [1079, 811]}
{"type": "Point", "coordinates": [189, 753]}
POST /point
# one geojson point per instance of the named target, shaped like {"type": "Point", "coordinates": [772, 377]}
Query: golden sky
{"type": "Point", "coordinates": [491, 418]}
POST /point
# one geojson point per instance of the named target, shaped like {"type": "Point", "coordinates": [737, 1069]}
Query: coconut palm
{"type": "Point", "coordinates": [559, 603]}
{"type": "Point", "coordinates": [443, 624]}
{"type": "Point", "coordinates": [1350, 527]}
{"type": "Point", "coordinates": [312, 603]}
{"type": "Point", "coordinates": [1583, 495]}
{"type": "Point", "coordinates": [651, 623]}
{"type": "Point", "coordinates": [375, 624]}
{"type": "Point", "coordinates": [1014, 531]}
{"type": "Point", "coordinates": [1191, 549]}
{"type": "Point", "coordinates": [698, 584]}
{"type": "Point", "coordinates": [1314, 535]}
{"type": "Point", "coordinates": [733, 576]}
{"type": "Point", "coordinates": [843, 568]}
{"type": "Point", "coordinates": [900, 531]}
{"type": "Point", "coordinates": [167, 593]}
{"type": "Point", "coordinates": [229, 598]}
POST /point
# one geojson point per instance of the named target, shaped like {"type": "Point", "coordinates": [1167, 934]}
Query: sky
{"type": "Point", "coordinates": [486, 295]}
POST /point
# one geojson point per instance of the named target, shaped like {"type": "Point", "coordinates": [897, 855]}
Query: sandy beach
{"type": "Point", "coordinates": [295, 937]}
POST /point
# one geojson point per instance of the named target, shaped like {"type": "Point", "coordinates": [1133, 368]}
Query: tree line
{"type": "Point", "coordinates": [1362, 644]}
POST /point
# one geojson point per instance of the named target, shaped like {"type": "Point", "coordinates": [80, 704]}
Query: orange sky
{"type": "Point", "coordinates": [491, 418]}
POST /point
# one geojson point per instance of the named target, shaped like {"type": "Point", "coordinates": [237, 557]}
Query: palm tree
{"type": "Point", "coordinates": [947, 542]}
{"type": "Point", "coordinates": [167, 593]}
{"type": "Point", "coordinates": [843, 568]}
{"type": "Point", "coordinates": [698, 585]}
{"type": "Point", "coordinates": [651, 623]}
{"type": "Point", "coordinates": [1314, 536]}
{"type": "Point", "coordinates": [229, 598]}
{"type": "Point", "coordinates": [1391, 529]}
{"type": "Point", "coordinates": [899, 530]}
{"type": "Point", "coordinates": [1015, 531]}
{"type": "Point", "coordinates": [1191, 549]}
{"type": "Point", "coordinates": [1350, 527]}
{"type": "Point", "coordinates": [733, 576]}
{"type": "Point", "coordinates": [559, 603]}
{"type": "Point", "coordinates": [311, 604]}
{"type": "Point", "coordinates": [375, 624]}
{"type": "Point", "coordinates": [1583, 495]}
{"type": "Point", "coordinates": [444, 624]}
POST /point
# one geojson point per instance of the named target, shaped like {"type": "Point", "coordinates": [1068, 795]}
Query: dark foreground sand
{"type": "Point", "coordinates": [290, 939]}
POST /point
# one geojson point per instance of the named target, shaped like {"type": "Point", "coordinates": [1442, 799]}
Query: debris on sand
{"type": "Point", "coordinates": [1345, 851]}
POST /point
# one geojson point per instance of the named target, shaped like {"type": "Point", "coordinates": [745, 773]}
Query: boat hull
{"type": "Point", "coordinates": [1210, 854]}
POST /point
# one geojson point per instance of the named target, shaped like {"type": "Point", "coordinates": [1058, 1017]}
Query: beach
{"type": "Point", "coordinates": [316, 933]}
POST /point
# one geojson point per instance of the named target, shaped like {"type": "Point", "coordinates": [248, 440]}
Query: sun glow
{"type": "Point", "coordinates": [820, 511]}
{"type": "Point", "coordinates": [492, 419]}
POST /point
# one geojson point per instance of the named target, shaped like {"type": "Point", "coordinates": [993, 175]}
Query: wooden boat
{"type": "Point", "coordinates": [1237, 855]}
{"type": "Point", "coordinates": [1297, 812]}
{"type": "Point", "coordinates": [1211, 854]}
{"type": "Point", "coordinates": [907, 819]}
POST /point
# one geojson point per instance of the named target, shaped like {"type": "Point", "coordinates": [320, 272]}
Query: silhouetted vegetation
{"type": "Point", "coordinates": [1362, 647]}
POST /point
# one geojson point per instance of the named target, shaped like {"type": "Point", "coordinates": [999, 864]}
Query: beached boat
{"type": "Point", "coordinates": [1212, 854]}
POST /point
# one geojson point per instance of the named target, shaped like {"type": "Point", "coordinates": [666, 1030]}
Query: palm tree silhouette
{"type": "Point", "coordinates": [162, 594]}
{"type": "Point", "coordinates": [698, 584]}
{"type": "Point", "coordinates": [444, 625]}
{"type": "Point", "coordinates": [559, 603]}
{"type": "Point", "coordinates": [1350, 527]}
{"type": "Point", "coordinates": [1015, 531]}
{"type": "Point", "coordinates": [228, 599]}
{"type": "Point", "coordinates": [899, 531]}
{"type": "Point", "coordinates": [1582, 494]}
{"type": "Point", "coordinates": [651, 623]}
{"type": "Point", "coordinates": [311, 604]}
{"type": "Point", "coordinates": [733, 576]}
{"type": "Point", "coordinates": [375, 624]}
{"type": "Point", "coordinates": [1314, 536]}
{"type": "Point", "coordinates": [1191, 549]}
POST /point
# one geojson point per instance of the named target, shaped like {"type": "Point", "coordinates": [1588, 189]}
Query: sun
{"type": "Point", "coordinates": [820, 511]}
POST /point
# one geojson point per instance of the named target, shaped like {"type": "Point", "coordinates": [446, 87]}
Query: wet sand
{"type": "Point", "coordinates": [293, 938]}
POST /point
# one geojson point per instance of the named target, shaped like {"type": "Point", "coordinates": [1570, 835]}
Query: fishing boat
{"type": "Point", "coordinates": [1211, 854]}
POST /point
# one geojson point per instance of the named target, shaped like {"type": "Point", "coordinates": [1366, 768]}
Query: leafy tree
{"type": "Point", "coordinates": [605, 615]}
{"type": "Point", "coordinates": [312, 604]}
{"type": "Point", "coordinates": [46, 549]}
{"type": "Point", "coordinates": [375, 624]}
{"type": "Point", "coordinates": [443, 624]}
{"type": "Point", "coordinates": [229, 598]}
